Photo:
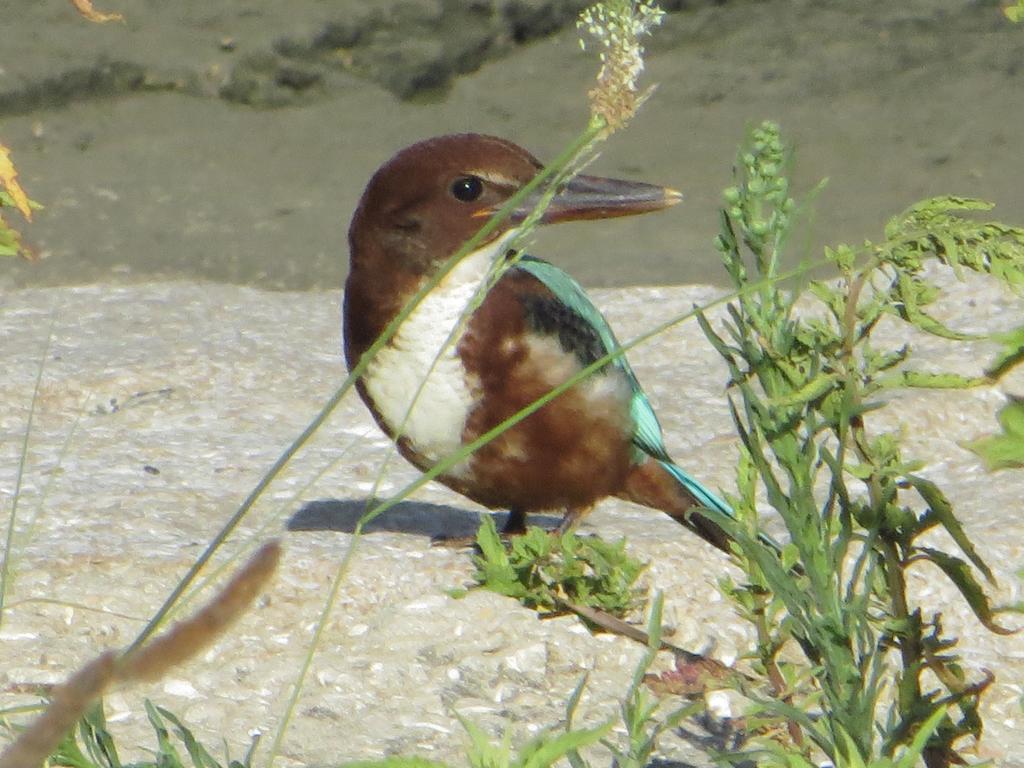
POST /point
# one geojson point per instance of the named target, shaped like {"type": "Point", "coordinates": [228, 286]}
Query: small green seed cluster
{"type": "Point", "coordinates": [761, 201]}
{"type": "Point", "coordinates": [618, 25]}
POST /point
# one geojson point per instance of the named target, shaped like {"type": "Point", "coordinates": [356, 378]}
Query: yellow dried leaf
{"type": "Point", "coordinates": [9, 181]}
{"type": "Point", "coordinates": [85, 8]}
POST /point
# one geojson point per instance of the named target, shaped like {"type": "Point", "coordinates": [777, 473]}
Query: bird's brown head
{"type": "Point", "coordinates": [431, 197]}
{"type": "Point", "coordinates": [426, 201]}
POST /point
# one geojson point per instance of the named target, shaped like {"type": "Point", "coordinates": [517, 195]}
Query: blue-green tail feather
{"type": "Point", "coordinates": [693, 487]}
{"type": "Point", "coordinates": [709, 500]}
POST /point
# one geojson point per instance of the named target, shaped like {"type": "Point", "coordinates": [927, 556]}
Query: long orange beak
{"type": "Point", "coordinates": [595, 197]}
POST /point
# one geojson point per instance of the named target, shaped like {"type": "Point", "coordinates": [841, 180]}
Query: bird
{"type": "Point", "coordinates": [533, 329]}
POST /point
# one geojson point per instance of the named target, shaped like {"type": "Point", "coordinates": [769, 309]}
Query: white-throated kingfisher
{"type": "Point", "coordinates": [534, 329]}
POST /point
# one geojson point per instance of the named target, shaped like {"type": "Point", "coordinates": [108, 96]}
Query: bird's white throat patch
{"type": "Point", "coordinates": [403, 374]}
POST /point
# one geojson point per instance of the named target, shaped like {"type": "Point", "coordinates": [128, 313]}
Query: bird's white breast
{"type": "Point", "coordinates": [421, 394]}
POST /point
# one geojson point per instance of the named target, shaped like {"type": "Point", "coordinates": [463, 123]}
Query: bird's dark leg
{"type": "Point", "coordinates": [515, 524]}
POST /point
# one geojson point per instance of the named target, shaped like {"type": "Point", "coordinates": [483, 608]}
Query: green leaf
{"type": "Point", "coordinates": [201, 758]}
{"type": "Point", "coordinates": [99, 742]}
{"type": "Point", "coordinates": [69, 753]}
{"type": "Point", "coordinates": [1004, 451]}
{"type": "Point", "coordinates": [959, 572]}
{"type": "Point", "coordinates": [541, 570]}
{"type": "Point", "coordinates": [817, 387]}
{"type": "Point", "coordinates": [925, 380]}
{"type": "Point", "coordinates": [548, 749]}
{"type": "Point", "coordinates": [1011, 355]}
{"type": "Point", "coordinates": [940, 509]}
{"type": "Point", "coordinates": [850, 756]}
{"type": "Point", "coordinates": [910, 293]}
{"type": "Point", "coordinates": [491, 547]}
{"type": "Point", "coordinates": [912, 755]}
{"type": "Point", "coordinates": [167, 756]}
{"type": "Point", "coordinates": [481, 753]}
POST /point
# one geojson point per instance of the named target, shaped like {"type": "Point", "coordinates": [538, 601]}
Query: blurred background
{"type": "Point", "coordinates": [216, 140]}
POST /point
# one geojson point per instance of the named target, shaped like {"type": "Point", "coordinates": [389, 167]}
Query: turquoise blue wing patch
{"type": "Point", "coordinates": [647, 431]}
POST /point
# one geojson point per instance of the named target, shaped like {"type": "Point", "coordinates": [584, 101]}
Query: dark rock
{"type": "Point", "coordinates": [105, 78]}
{"type": "Point", "coordinates": [266, 80]}
{"type": "Point", "coordinates": [338, 34]}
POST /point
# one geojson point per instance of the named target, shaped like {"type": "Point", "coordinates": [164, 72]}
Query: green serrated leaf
{"type": "Point", "coordinates": [491, 547]}
{"type": "Point", "coordinates": [541, 570]}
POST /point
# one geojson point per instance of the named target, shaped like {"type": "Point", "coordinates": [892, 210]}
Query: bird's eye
{"type": "Point", "coordinates": [467, 188]}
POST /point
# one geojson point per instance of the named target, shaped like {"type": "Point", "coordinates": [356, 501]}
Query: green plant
{"type": "Point", "coordinates": [1006, 450]}
{"type": "Point", "coordinates": [548, 572]}
{"type": "Point", "coordinates": [874, 671]}
{"type": "Point", "coordinates": [639, 710]}
{"type": "Point", "coordinates": [92, 745]}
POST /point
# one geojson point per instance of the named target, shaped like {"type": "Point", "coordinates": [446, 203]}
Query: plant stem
{"type": "Point", "coordinates": [769, 650]}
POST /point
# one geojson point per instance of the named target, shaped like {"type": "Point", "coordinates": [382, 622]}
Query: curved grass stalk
{"type": "Point", "coordinates": [77, 606]}
{"type": "Point", "coordinates": [6, 567]}
{"type": "Point", "coordinates": [10, 555]}
{"type": "Point", "coordinates": [45, 490]}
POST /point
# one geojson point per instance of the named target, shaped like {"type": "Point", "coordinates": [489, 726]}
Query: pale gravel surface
{"type": "Point", "coordinates": [230, 376]}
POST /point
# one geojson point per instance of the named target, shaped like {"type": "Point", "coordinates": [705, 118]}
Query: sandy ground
{"type": "Point", "coordinates": [161, 404]}
{"type": "Point", "coordinates": [891, 101]}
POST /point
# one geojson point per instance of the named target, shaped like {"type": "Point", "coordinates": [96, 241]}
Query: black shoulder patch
{"type": "Point", "coordinates": [548, 316]}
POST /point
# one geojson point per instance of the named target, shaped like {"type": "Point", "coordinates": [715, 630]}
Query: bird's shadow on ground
{"type": "Point", "coordinates": [419, 518]}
